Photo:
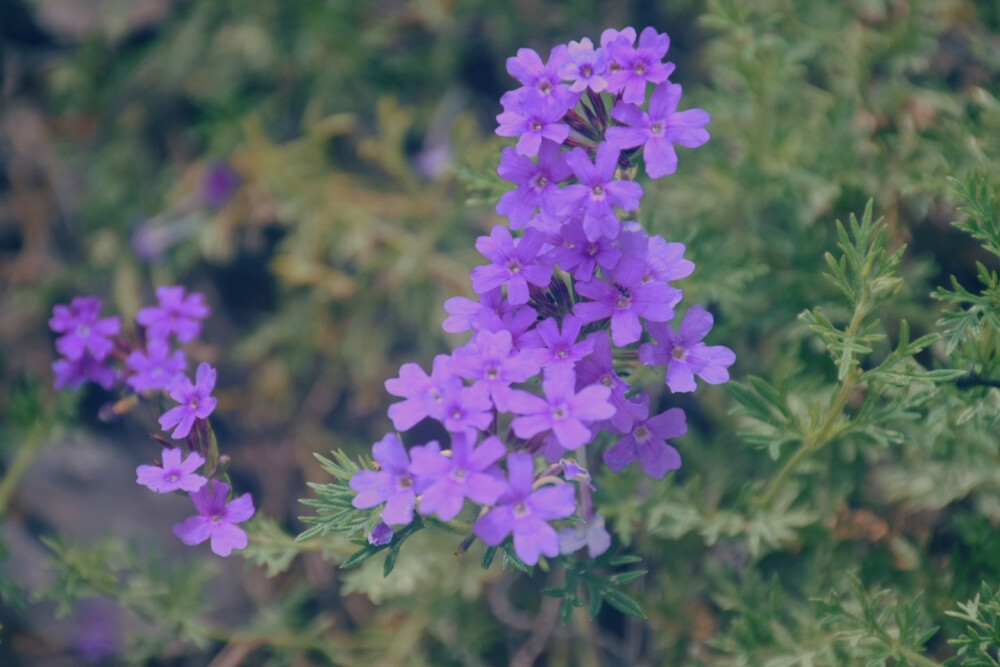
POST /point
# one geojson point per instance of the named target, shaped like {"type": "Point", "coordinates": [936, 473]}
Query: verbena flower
{"type": "Point", "coordinates": [526, 513]}
{"type": "Point", "coordinates": [464, 474]}
{"type": "Point", "coordinates": [658, 130]}
{"type": "Point", "coordinates": [177, 314]}
{"type": "Point", "coordinates": [71, 374]}
{"type": "Point", "coordinates": [83, 330]}
{"type": "Point", "coordinates": [530, 118]}
{"type": "Point", "coordinates": [528, 68]}
{"type": "Point", "coordinates": [591, 534]}
{"type": "Point", "coordinates": [393, 485]}
{"type": "Point", "coordinates": [216, 519]}
{"type": "Point", "coordinates": [561, 348]}
{"type": "Point", "coordinates": [684, 353]}
{"type": "Point", "coordinates": [196, 401]}
{"type": "Point", "coordinates": [647, 442]}
{"type": "Point", "coordinates": [598, 192]}
{"type": "Point", "coordinates": [599, 368]}
{"type": "Point", "coordinates": [174, 474]}
{"type": "Point", "coordinates": [465, 314]}
{"type": "Point", "coordinates": [624, 300]}
{"type": "Point", "coordinates": [563, 409]}
{"type": "Point", "coordinates": [489, 359]}
{"type": "Point", "coordinates": [156, 367]}
{"type": "Point", "coordinates": [574, 252]}
{"type": "Point", "coordinates": [537, 183]}
{"type": "Point", "coordinates": [639, 65]}
{"type": "Point", "coordinates": [586, 67]}
{"type": "Point", "coordinates": [380, 535]}
{"type": "Point", "coordinates": [423, 393]}
{"type": "Point", "coordinates": [514, 264]}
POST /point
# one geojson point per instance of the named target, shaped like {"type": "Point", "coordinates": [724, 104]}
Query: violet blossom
{"type": "Point", "coordinates": [216, 519]}
{"type": "Point", "coordinates": [196, 401]}
{"type": "Point", "coordinates": [685, 354]}
{"type": "Point", "coordinates": [174, 474]}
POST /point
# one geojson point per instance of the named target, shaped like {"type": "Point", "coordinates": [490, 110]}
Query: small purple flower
{"type": "Point", "coordinates": [658, 130]}
{"type": "Point", "coordinates": [562, 409]}
{"type": "Point", "coordinates": [465, 410]}
{"type": "Point", "coordinates": [82, 330]}
{"type": "Point", "coordinates": [464, 474]}
{"type": "Point", "coordinates": [573, 251]}
{"type": "Point", "coordinates": [489, 359]}
{"type": "Point", "coordinates": [380, 535]}
{"type": "Point", "coordinates": [177, 314]}
{"type": "Point", "coordinates": [527, 67]}
{"type": "Point", "coordinates": [423, 393]}
{"type": "Point", "coordinates": [586, 67]}
{"type": "Point", "coordinates": [515, 264]}
{"type": "Point", "coordinates": [647, 442]}
{"type": "Point", "coordinates": [220, 183]}
{"type": "Point", "coordinates": [685, 354]}
{"type": "Point", "coordinates": [532, 119]}
{"type": "Point", "coordinates": [216, 519]}
{"type": "Point", "coordinates": [174, 474]}
{"type": "Point", "coordinates": [591, 534]}
{"type": "Point", "coordinates": [73, 373]}
{"type": "Point", "coordinates": [156, 368]}
{"type": "Point", "coordinates": [625, 300]}
{"type": "Point", "coordinates": [561, 349]}
{"type": "Point", "coordinates": [465, 314]}
{"type": "Point", "coordinates": [666, 260]}
{"type": "Point", "coordinates": [536, 183]}
{"type": "Point", "coordinates": [526, 513]}
{"type": "Point", "coordinates": [636, 66]}
{"type": "Point", "coordinates": [598, 192]}
{"type": "Point", "coordinates": [599, 368]}
{"type": "Point", "coordinates": [196, 401]}
{"type": "Point", "coordinates": [392, 485]}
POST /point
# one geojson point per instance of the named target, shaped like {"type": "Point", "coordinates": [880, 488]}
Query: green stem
{"type": "Point", "coordinates": [19, 466]}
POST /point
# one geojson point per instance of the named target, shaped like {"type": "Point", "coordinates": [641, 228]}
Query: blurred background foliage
{"type": "Point", "coordinates": [320, 169]}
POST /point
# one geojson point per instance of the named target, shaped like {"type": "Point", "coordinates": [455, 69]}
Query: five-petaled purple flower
{"type": "Point", "coordinates": [514, 264]}
{"type": "Point", "coordinates": [537, 184]}
{"type": "Point", "coordinates": [685, 354]}
{"type": "Point", "coordinates": [464, 474]}
{"type": "Point", "coordinates": [647, 442]}
{"type": "Point", "coordinates": [658, 130]}
{"type": "Point", "coordinates": [196, 401]}
{"type": "Point", "coordinates": [216, 519]}
{"type": "Point", "coordinates": [526, 513]}
{"type": "Point", "coordinates": [72, 374]}
{"type": "Point", "coordinates": [174, 474]}
{"type": "Point", "coordinates": [563, 409]}
{"type": "Point", "coordinates": [83, 332]}
{"type": "Point", "coordinates": [176, 314]}
{"type": "Point", "coordinates": [156, 368]}
{"type": "Point", "coordinates": [624, 300]}
{"type": "Point", "coordinates": [598, 192]}
{"type": "Point", "coordinates": [393, 485]}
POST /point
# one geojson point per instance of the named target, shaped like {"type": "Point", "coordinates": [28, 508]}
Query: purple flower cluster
{"type": "Point", "coordinates": [147, 365]}
{"type": "Point", "coordinates": [562, 307]}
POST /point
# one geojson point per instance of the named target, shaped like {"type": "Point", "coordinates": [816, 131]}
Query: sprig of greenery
{"type": "Point", "coordinates": [601, 588]}
{"type": "Point", "coordinates": [979, 645]}
{"type": "Point", "coordinates": [334, 509]}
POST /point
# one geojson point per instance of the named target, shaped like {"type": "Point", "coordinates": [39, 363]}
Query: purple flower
{"type": "Point", "coordinates": [685, 354]}
{"type": "Point", "coordinates": [536, 183]}
{"type": "Point", "coordinates": [561, 349]}
{"type": "Point", "coordinates": [625, 300]}
{"type": "Point", "coordinates": [156, 368]}
{"type": "Point", "coordinates": [465, 410]}
{"type": "Point", "coordinates": [658, 130]}
{"type": "Point", "coordinates": [465, 474]}
{"type": "Point", "coordinates": [515, 264]}
{"type": "Point", "coordinates": [219, 185]}
{"type": "Point", "coordinates": [598, 192]}
{"type": "Point", "coordinates": [216, 519]}
{"type": "Point", "coordinates": [635, 66]}
{"type": "Point", "coordinates": [647, 442]}
{"type": "Point", "coordinates": [591, 534]}
{"type": "Point", "coordinates": [521, 325]}
{"type": "Point", "coordinates": [423, 393]}
{"type": "Point", "coordinates": [599, 368]}
{"type": "Point", "coordinates": [527, 67]}
{"type": "Point", "coordinates": [666, 260]}
{"type": "Point", "coordinates": [392, 485]}
{"type": "Point", "coordinates": [532, 119]}
{"type": "Point", "coordinates": [465, 314]}
{"type": "Point", "coordinates": [174, 474]}
{"type": "Point", "coordinates": [380, 535]}
{"type": "Point", "coordinates": [574, 472]}
{"type": "Point", "coordinates": [73, 373]}
{"type": "Point", "coordinates": [526, 513]}
{"type": "Point", "coordinates": [196, 401]}
{"type": "Point", "coordinates": [82, 330]}
{"type": "Point", "coordinates": [177, 314]}
{"type": "Point", "coordinates": [563, 410]}
{"type": "Point", "coordinates": [489, 359]}
{"type": "Point", "coordinates": [586, 67]}
{"type": "Point", "coordinates": [574, 252]}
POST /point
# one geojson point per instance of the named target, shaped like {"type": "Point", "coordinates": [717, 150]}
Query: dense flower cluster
{"type": "Point", "coordinates": [93, 349]}
{"type": "Point", "coordinates": [561, 308]}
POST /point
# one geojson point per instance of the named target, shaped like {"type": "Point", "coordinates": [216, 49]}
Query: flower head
{"type": "Point", "coordinates": [216, 519]}
{"type": "Point", "coordinates": [177, 314]}
{"type": "Point", "coordinates": [393, 485]}
{"type": "Point", "coordinates": [684, 353]}
{"type": "Point", "coordinates": [196, 401]}
{"type": "Point", "coordinates": [174, 474]}
{"type": "Point", "coordinates": [156, 368]}
{"type": "Point", "coordinates": [83, 331]}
